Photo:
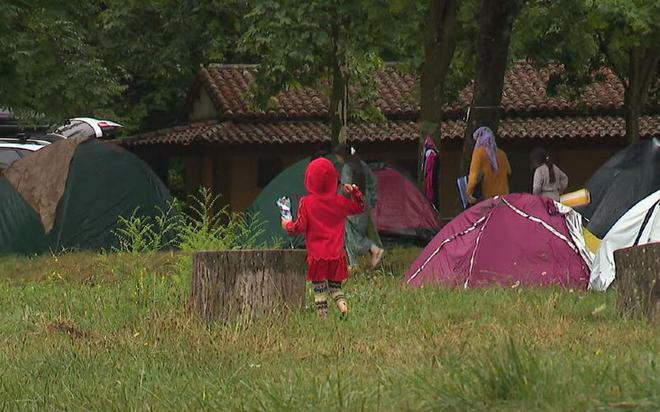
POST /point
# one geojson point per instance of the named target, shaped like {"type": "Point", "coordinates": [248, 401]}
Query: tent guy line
{"type": "Point", "coordinates": [476, 247]}
{"type": "Point", "coordinates": [449, 239]}
{"type": "Point", "coordinates": [545, 225]}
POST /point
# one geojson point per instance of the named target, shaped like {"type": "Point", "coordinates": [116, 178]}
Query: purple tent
{"type": "Point", "coordinates": [511, 240]}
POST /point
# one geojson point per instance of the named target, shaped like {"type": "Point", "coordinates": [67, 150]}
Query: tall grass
{"type": "Point", "coordinates": [126, 342]}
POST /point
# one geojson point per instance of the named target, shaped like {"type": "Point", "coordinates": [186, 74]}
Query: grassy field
{"type": "Point", "coordinates": [110, 332]}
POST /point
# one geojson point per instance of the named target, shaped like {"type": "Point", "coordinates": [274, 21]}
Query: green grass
{"type": "Point", "coordinates": [111, 332]}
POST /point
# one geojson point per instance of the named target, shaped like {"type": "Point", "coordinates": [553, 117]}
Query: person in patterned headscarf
{"type": "Point", "coordinates": [489, 165]}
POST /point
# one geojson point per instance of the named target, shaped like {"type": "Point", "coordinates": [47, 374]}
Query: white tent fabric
{"type": "Point", "coordinates": [574, 225]}
{"type": "Point", "coordinates": [638, 226]}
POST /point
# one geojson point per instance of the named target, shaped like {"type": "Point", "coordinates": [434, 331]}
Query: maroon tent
{"type": "Point", "coordinates": [402, 211]}
{"type": "Point", "coordinates": [512, 240]}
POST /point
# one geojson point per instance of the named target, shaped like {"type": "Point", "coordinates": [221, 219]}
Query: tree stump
{"type": "Point", "coordinates": [638, 281]}
{"type": "Point", "coordinates": [228, 285]}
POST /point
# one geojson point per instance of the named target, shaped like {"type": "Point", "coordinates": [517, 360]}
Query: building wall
{"type": "Point", "coordinates": [202, 108]}
{"type": "Point", "coordinates": [233, 172]}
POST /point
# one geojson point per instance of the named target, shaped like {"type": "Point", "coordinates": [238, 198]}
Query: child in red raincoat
{"type": "Point", "coordinates": [321, 217]}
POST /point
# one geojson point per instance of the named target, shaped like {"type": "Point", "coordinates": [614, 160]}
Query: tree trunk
{"type": "Point", "coordinates": [642, 66]}
{"type": "Point", "coordinates": [440, 28]}
{"type": "Point", "coordinates": [338, 109]}
{"type": "Point", "coordinates": [244, 284]}
{"type": "Point", "coordinates": [638, 281]}
{"type": "Point", "coordinates": [496, 19]}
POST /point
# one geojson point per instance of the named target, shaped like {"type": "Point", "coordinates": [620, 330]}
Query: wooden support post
{"type": "Point", "coordinates": [192, 174]}
{"type": "Point", "coordinates": [206, 173]}
{"type": "Point", "coordinates": [638, 281]}
{"type": "Point", "coordinates": [243, 284]}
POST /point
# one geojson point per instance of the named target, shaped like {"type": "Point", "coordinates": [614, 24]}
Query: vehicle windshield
{"type": "Point", "coordinates": [10, 155]}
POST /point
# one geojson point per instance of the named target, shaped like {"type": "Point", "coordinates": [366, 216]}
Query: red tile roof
{"type": "Point", "coordinates": [230, 88]}
{"type": "Point", "coordinates": [282, 132]}
{"type": "Point", "coordinates": [300, 115]}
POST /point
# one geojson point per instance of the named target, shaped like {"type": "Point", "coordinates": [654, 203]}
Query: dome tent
{"type": "Point", "coordinates": [626, 178]}
{"type": "Point", "coordinates": [638, 226]}
{"type": "Point", "coordinates": [70, 196]}
{"type": "Point", "coordinates": [511, 240]}
{"type": "Point", "coordinates": [402, 214]}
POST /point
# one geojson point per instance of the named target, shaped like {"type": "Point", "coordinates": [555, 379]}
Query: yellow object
{"type": "Point", "coordinates": [578, 198]}
{"type": "Point", "coordinates": [592, 242]}
{"type": "Point", "coordinates": [492, 183]}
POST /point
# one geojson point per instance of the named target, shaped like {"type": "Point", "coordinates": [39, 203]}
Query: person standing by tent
{"type": "Point", "coordinates": [430, 171]}
{"type": "Point", "coordinates": [549, 180]}
{"type": "Point", "coordinates": [321, 216]}
{"type": "Point", "coordinates": [489, 165]}
{"type": "Point", "coordinates": [356, 172]}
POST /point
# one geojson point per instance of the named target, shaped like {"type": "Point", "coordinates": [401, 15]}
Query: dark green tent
{"type": "Point", "coordinates": [99, 182]}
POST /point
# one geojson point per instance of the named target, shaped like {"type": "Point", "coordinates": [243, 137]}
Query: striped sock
{"type": "Point", "coordinates": [321, 297]}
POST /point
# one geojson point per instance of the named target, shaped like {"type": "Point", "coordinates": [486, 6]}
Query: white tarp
{"type": "Point", "coordinates": [631, 227]}
{"type": "Point", "coordinates": [574, 225]}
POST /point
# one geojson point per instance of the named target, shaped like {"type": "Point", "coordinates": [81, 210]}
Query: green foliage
{"type": "Point", "coordinates": [555, 31]}
{"type": "Point", "coordinates": [142, 234]}
{"type": "Point", "coordinates": [294, 42]}
{"type": "Point", "coordinates": [130, 60]}
{"type": "Point", "coordinates": [49, 64]}
{"type": "Point", "coordinates": [206, 228]}
{"type": "Point", "coordinates": [585, 35]}
{"type": "Point", "coordinates": [202, 227]}
{"type": "Point", "coordinates": [156, 48]}
{"type": "Point", "coordinates": [621, 25]}
{"type": "Point", "coordinates": [134, 61]}
{"type": "Point", "coordinates": [406, 43]}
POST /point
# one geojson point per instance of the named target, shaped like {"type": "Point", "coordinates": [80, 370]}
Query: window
{"type": "Point", "coordinates": [267, 169]}
{"type": "Point", "coordinates": [7, 157]}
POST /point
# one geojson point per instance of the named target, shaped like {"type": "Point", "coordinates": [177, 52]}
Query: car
{"type": "Point", "coordinates": [20, 146]}
{"type": "Point", "coordinates": [15, 145]}
{"type": "Point", "coordinates": [11, 151]}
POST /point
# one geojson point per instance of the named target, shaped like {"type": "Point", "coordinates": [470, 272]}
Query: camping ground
{"type": "Point", "coordinates": [111, 332]}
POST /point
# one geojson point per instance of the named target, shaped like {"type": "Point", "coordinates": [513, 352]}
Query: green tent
{"type": "Point", "coordinates": [70, 195]}
{"type": "Point", "coordinates": [290, 183]}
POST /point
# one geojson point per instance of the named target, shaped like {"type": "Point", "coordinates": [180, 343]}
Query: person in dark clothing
{"type": "Point", "coordinates": [356, 172]}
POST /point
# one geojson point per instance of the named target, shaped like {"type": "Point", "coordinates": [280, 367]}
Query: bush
{"type": "Point", "coordinates": [201, 227]}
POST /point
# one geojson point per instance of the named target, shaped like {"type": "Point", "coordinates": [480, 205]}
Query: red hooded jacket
{"type": "Point", "coordinates": [322, 213]}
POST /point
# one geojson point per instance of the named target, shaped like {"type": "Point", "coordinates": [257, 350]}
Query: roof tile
{"type": "Point", "coordinates": [285, 132]}
{"type": "Point", "coordinates": [524, 92]}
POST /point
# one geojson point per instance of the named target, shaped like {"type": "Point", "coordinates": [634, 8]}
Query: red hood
{"type": "Point", "coordinates": [321, 178]}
